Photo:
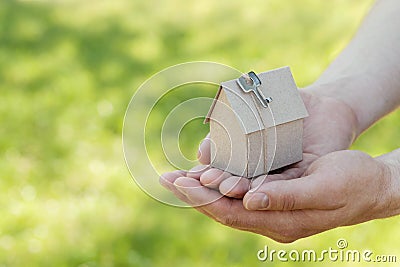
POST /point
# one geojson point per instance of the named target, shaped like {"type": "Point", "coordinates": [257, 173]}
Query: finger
{"type": "Point", "coordinates": [257, 182]}
{"type": "Point", "coordinates": [197, 171]}
{"type": "Point", "coordinates": [182, 182]}
{"type": "Point", "coordinates": [234, 186]}
{"type": "Point", "coordinates": [308, 192]}
{"type": "Point", "coordinates": [204, 153]}
{"type": "Point", "coordinates": [190, 187]}
{"type": "Point", "coordinates": [294, 171]}
{"type": "Point", "coordinates": [216, 205]}
{"type": "Point", "coordinates": [228, 185]}
{"type": "Point", "coordinates": [230, 211]}
{"type": "Point", "coordinates": [212, 178]}
{"type": "Point", "coordinates": [298, 170]}
{"type": "Point", "coordinates": [167, 180]}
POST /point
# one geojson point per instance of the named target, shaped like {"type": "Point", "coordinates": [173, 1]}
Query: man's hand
{"type": "Point", "coordinates": [331, 126]}
{"type": "Point", "coordinates": [341, 188]}
{"type": "Point", "coordinates": [324, 190]}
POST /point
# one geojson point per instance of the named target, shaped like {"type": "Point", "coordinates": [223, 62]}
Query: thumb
{"type": "Point", "coordinates": [309, 192]}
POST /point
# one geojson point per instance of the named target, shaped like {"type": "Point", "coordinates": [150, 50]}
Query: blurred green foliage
{"type": "Point", "coordinates": [67, 72]}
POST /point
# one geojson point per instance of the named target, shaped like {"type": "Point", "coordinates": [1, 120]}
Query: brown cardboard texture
{"type": "Point", "coordinates": [250, 140]}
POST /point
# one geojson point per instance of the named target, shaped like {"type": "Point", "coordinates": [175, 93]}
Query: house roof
{"type": "Point", "coordinates": [287, 104]}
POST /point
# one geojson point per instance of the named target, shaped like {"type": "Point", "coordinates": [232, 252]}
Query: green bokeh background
{"type": "Point", "coordinates": [67, 72]}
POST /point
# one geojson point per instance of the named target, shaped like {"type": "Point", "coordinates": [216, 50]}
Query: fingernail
{"type": "Point", "coordinates": [257, 201]}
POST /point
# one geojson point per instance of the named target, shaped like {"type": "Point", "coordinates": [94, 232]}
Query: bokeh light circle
{"type": "Point", "coordinates": [149, 152]}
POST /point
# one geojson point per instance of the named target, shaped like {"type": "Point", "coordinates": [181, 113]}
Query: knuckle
{"type": "Point", "coordinates": [287, 202]}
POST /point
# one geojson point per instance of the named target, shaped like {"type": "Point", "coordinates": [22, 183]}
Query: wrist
{"type": "Point", "coordinates": [342, 90]}
{"type": "Point", "coordinates": [369, 95]}
{"type": "Point", "coordinates": [349, 121]}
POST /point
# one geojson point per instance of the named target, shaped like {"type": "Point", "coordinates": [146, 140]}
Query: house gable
{"type": "Point", "coordinates": [287, 104]}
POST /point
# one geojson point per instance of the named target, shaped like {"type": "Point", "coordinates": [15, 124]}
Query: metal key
{"type": "Point", "coordinates": [250, 83]}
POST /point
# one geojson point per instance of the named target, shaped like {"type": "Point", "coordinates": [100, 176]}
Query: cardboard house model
{"type": "Point", "coordinates": [256, 123]}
